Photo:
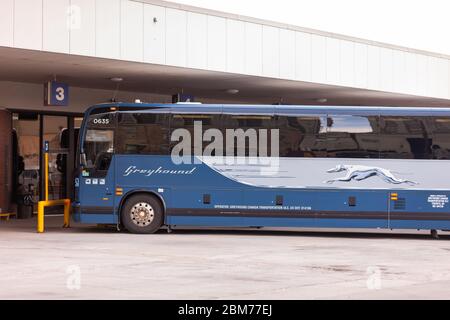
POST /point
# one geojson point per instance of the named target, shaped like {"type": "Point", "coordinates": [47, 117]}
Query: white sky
{"type": "Point", "coordinates": [419, 24]}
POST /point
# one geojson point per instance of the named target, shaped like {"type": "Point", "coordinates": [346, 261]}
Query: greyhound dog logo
{"type": "Point", "coordinates": [358, 173]}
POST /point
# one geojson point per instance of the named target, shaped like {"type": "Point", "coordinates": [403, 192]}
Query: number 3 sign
{"type": "Point", "coordinates": [56, 94]}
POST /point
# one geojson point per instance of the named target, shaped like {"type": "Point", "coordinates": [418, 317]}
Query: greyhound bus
{"type": "Point", "coordinates": [147, 166]}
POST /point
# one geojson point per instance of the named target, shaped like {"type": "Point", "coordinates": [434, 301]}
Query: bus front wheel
{"type": "Point", "coordinates": [142, 213]}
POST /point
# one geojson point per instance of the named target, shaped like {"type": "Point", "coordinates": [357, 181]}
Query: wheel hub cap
{"type": "Point", "coordinates": [142, 214]}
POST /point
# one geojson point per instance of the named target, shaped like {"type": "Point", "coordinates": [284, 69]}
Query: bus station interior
{"type": "Point", "coordinates": [23, 73]}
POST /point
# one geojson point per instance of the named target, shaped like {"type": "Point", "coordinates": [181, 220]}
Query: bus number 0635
{"type": "Point", "coordinates": [101, 121]}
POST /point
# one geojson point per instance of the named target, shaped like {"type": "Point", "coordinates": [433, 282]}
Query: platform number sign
{"type": "Point", "coordinates": [56, 94]}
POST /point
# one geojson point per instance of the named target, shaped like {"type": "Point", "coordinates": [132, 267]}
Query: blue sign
{"type": "Point", "coordinates": [56, 94]}
{"type": "Point", "coordinates": [46, 146]}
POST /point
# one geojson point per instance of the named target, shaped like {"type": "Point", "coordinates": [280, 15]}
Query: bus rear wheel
{"type": "Point", "coordinates": [142, 214]}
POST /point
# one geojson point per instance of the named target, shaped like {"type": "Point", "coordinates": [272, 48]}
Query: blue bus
{"type": "Point", "coordinates": [333, 166]}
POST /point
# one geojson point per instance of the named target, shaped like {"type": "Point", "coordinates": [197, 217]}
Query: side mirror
{"type": "Point", "coordinates": [83, 161]}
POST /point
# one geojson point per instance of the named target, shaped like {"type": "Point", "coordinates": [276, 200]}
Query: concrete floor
{"type": "Point", "coordinates": [86, 262]}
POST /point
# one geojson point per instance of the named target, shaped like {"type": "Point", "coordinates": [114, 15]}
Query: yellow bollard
{"type": "Point", "coordinates": [40, 217]}
{"type": "Point", "coordinates": [66, 213]}
{"type": "Point", "coordinates": [51, 203]}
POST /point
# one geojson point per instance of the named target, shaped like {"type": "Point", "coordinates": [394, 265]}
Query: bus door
{"type": "Point", "coordinates": [96, 180]}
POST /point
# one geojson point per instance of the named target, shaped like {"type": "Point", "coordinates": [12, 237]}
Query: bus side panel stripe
{"type": "Point", "coordinates": [427, 216]}
{"type": "Point", "coordinates": [304, 222]}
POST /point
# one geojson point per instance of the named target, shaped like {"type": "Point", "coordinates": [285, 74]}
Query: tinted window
{"type": "Point", "coordinates": [248, 135]}
{"type": "Point", "coordinates": [352, 136]}
{"type": "Point", "coordinates": [302, 136]}
{"type": "Point", "coordinates": [405, 138]}
{"type": "Point", "coordinates": [142, 133]}
{"type": "Point", "coordinates": [182, 127]}
{"type": "Point", "coordinates": [440, 128]}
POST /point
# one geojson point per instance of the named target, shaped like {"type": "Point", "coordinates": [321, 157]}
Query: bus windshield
{"type": "Point", "coordinates": [98, 145]}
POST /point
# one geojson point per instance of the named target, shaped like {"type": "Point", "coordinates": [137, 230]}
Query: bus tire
{"type": "Point", "coordinates": [142, 214]}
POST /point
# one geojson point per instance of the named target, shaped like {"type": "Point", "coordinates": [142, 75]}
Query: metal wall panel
{"type": "Point", "coordinates": [386, 69]}
{"type": "Point", "coordinates": [6, 23]}
{"type": "Point", "coordinates": [176, 37]}
{"type": "Point", "coordinates": [132, 31]}
{"type": "Point", "coordinates": [437, 77]}
{"type": "Point", "coordinates": [399, 70]}
{"type": "Point", "coordinates": [216, 42]}
{"type": "Point", "coordinates": [287, 54]}
{"type": "Point", "coordinates": [303, 56]}
{"type": "Point", "coordinates": [253, 48]}
{"type": "Point", "coordinates": [333, 52]}
{"type": "Point", "coordinates": [271, 51]}
{"type": "Point", "coordinates": [443, 78]}
{"type": "Point", "coordinates": [422, 74]}
{"type": "Point", "coordinates": [373, 67]}
{"type": "Point", "coordinates": [319, 59]}
{"type": "Point", "coordinates": [347, 63]}
{"type": "Point", "coordinates": [410, 76]}
{"type": "Point", "coordinates": [361, 65]}
{"type": "Point", "coordinates": [55, 25]}
{"type": "Point", "coordinates": [235, 46]}
{"type": "Point", "coordinates": [107, 28]}
{"type": "Point", "coordinates": [433, 77]}
{"type": "Point", "coordinates": [154, 34]}
{"type": "Point", "coordinates": [197, 35]}
{"type": "Point", "coordinates": [82, 27]}
{"type": "Point", "coordinates": [28, 24]}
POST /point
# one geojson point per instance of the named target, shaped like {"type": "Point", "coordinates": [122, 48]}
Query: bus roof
{"type": "Point", "coordinates": [277, 109]}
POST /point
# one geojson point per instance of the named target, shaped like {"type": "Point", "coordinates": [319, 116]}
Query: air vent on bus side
{"type": "Point", "coordinates": [400, 204]}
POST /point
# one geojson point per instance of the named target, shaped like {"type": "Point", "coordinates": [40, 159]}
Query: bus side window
{"type": "Point", "coordinates": [404, 137]}
{"type": "Point", "coordinates": [351, 136]}
{"type": "Point", "coordinates": [302, 136]}
{"type": "Point", "coordinates": [251, 126]}
{"type": "Point", "coordinates": [143, 133]}
{"type": "Point", "coordinates": [188, 122]}
{"type": "Point", "coordinates": [440, 137]}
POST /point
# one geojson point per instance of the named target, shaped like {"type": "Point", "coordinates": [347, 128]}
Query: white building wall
{"type": "Point", "coordinates": [55, 34]}
{"type": "Point", "coordinates": [7, 23]}
{"type": "Point", "coordinates": [27, 16]}
{"type": "Point", "coordinates": [287, 54]}
{"type": "Point", "coordinates": [303, 56]}
{"type": "Point", "coordinates": [81, 24]}
{"type": "Point", "coordinates": [197, 40]}
{"type": "Point", "coordinates": [107, 28]}
{"type": "Point", "coordinates": [154, 34]}
{"type": "Point", "coordinates": [150, 33]}
{"type": "Point", "coordinates": [132, 31]}
{"type": "Point", "coordinates": [216, 43]}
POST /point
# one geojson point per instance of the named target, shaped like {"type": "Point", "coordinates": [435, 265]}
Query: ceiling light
{"type": "Point", "coordinates": [116, 79]}
{"type": "Point", "coordinates": [232, 91]}
{"type": "Point", "coordinates": [322, 100]}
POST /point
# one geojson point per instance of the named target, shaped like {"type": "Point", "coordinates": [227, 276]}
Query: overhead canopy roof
{"type": "Point", "coordinates": [21, 65]}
